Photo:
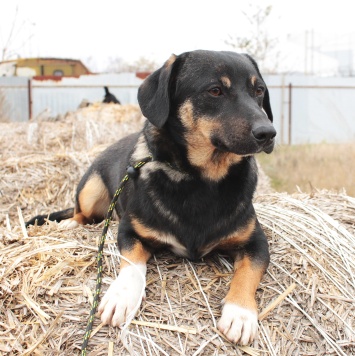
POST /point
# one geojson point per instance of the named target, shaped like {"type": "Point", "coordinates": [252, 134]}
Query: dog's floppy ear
{"type": "Point", "coordinates": [266, 101]}
{"type": "Point", "coordinates": [153, 94]}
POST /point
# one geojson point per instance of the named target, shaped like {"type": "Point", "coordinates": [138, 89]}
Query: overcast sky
{"type": "Point", "coordinates": [106, 29]}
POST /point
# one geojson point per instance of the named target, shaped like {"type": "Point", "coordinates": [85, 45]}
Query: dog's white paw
{"type": "Point", "coordinates": [123, 296]}
{"type": "Point", "coordinates": [238, 324]}
{"type": "Point", "coordinates": [68, 224]}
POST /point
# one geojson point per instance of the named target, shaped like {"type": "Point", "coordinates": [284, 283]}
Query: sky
{"type": "Point", "coordinates": [99, 31]}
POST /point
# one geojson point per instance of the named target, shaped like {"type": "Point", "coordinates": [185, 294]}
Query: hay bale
{"type": "Point", "coordinates": [47, 275]}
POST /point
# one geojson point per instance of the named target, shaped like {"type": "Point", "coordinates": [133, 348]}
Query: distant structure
{"type": "Point", "coordinates": [43, 68]}
{"type": "Point", "coordinates": [110, 98]}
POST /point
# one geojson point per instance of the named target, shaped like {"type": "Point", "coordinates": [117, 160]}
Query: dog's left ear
{"type": "Point", "coordinates": [153, 94]}
{"type": "Point", "coordinates": [266, 101]}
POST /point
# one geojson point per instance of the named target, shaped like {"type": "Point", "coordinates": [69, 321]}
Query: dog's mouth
{"type": "Point", "coordinates": [243, 148]}
{"type": "Point", "coordinates": [269, 146]}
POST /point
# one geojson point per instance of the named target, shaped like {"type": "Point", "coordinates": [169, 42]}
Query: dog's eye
{"type": "Point", "coordinates": [216, 91]}
{"type": "Point", "coordinates": [259, 91]}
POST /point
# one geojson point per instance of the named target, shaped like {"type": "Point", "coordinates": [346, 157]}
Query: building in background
{"type": "Point", "coordinates": [43, 67]}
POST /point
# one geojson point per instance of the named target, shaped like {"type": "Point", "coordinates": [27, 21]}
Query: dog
{"type": "Point", "coordinates": [109, 97]}
{"type": "Point", "coordinates": [208, 113]}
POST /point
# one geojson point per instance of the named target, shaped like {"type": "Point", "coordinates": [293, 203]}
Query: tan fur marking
{"type": "Point", "coordinates": [171, 60]}
{"type": "Point", "coordinates": [138, 255]}
{"type": "Point", "coordinates": [173, 174]}
{"type": "Point", "coordinates": [214, 164]}
{"type": "Point", "coordinates": [140, 150]}
{"type": "Point", "coordinates": [162, 208]}
{"type": "Point", "coordinates": [232, 240]}
{"type": "Point", "coordinates": [186, 115]}
{"type": "Point", "coordinates": [253, 79]}
{"type": "Point", "coordinates": [226, 82]}
{"type": "Point", "coordinates": [238, 237]}
{"type": "Point", "coordinates": [144, 231]}
{"type": "Point", "coordinates": [158, 237]}
{"type": "Point", "coordinates": [244, 283]}
{"type": "Point", "coordinates": [81, 219]}
{"type": "Point", "coordinates": [94, 199]}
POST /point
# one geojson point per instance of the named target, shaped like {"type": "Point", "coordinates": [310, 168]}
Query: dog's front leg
{"type": "Point", "coordinates": [239, 320]}
{"type": "Point", "coordinates": [124, 296]}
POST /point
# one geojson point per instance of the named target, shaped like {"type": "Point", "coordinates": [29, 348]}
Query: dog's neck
{"type": "Point", "coordinates": [163, 147]}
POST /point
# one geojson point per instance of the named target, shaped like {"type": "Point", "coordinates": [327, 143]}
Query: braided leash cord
{"type": "Point", "coordinates": [131, 172]}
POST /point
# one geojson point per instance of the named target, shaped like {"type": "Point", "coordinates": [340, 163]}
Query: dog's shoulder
{"type": "Point", "coordinates": [111, 164]}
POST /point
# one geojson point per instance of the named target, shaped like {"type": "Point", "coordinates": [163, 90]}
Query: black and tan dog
{"type": "Point", "coordinates": [208, 114]}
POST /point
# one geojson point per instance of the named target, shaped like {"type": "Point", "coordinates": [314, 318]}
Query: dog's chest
{"type": "Point", "coordinates": [189, 217]}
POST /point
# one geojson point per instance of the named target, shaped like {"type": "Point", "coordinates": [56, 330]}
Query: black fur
{"type": "Point", "coordinates": [109, 97]}
{"type": "Point", "coordinates": [208, 115]}
{"type": "Point", "coordinates": [196, 209]}
{"type": "Point", "coordinates": [57, 216]}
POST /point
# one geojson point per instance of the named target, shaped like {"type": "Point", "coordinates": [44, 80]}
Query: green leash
{"type": "Point", "coordinates": [132, 172]}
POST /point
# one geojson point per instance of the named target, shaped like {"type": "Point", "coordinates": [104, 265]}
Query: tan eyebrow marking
{"type": "Point", "coordinates": [253, 80]}
{"type": "Point", "coordinates": [226, 82]}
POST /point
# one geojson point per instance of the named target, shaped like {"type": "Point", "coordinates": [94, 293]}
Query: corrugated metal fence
{"type": "Point", "coordinates": [306, 109]}
{"type": "Point", "coordinates": [14, 98]}
{"type": "Point", "coordinates": [312, 109]}
{"type": "Point", "coordinates": [23, 99]}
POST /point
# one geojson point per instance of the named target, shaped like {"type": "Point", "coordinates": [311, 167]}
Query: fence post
{"type": "Point", "coordinates": [289, 113]}
{"type": "Point", "coordinates": [282, 118]}
{"type": "Point", "coordinates": [29, 89]}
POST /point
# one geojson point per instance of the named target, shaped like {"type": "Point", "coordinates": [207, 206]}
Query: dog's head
{"type": "Point", "coordinates": [220, 99]}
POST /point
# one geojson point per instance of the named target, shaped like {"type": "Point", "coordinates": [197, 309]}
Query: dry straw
{"type": "Point", "coordinates": [47, 275]}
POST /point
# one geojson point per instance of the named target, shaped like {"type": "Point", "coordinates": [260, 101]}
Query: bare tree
{"type": "Point", "coordinates": [115, 65]}
{"type": "Point", "coordinates": [259, 43]}
{"type": "Point", "coordinates": [143, 64]}
{"type": "Point", "coordinates": [11, 47]}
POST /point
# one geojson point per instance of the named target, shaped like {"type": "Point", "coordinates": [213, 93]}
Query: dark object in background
{"type": "Point", "coordinates": [110, 98]}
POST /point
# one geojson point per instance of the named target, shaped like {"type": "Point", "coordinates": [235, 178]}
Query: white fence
{"type": "Point", "coordinates": [311, 109]}
{"type": "Point", "coordinates": [306, 109]}
{"type": "Point", "coordinates": [27, 98]}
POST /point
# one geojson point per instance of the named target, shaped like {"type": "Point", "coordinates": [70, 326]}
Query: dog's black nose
{"type": "Point", "coordinates": [264, 133]}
